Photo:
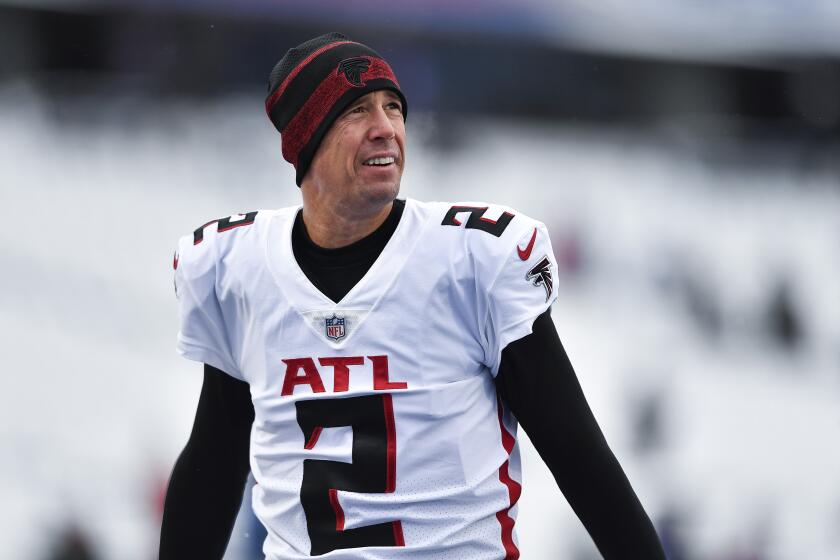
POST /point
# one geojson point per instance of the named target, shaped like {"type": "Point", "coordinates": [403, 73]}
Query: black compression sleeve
{"type": "Point", "coordinates": [537, 381]}
{"type": "Point", "coordinates": [207, 482]}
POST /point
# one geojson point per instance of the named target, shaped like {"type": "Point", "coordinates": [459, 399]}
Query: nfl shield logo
{"type": "Point", "coordinates": [335, 327]}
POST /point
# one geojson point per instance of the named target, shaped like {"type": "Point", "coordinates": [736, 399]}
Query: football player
{"type": "Point", "coordinates": [368, 358]}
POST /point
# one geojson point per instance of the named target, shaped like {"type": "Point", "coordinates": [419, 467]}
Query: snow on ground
{"type": "Point", "coordinates": [95, 404]}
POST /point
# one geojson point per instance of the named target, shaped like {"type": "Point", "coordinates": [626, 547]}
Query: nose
{"type": "Point", "coordinates": [381, 127]}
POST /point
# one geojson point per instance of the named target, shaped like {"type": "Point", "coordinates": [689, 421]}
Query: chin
{"type": "Point", "coordinates": [382, 193]}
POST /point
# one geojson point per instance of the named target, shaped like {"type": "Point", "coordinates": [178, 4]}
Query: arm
{"type": "Point", "coordinates": [205, 489]}
{"type": "Point", "coordinates": [537, 381]}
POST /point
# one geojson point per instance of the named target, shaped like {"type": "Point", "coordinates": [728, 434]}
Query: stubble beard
{"type": "Point", "coordinates": [374, 198]}
{"type": "Point", "coordinates": [378, 194]}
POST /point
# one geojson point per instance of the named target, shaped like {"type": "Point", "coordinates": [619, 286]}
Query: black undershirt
{"type": "Point", "coordinates": [536, 380]}
{"type": "Point", "coordinates": [335, 271]}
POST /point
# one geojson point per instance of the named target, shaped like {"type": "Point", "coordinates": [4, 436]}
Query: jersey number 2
{"type": "Point", "coordinates": [477, 219]}
{"type": "Point", "coordinates": [373, 470]}
{"type": "Point", "coordinates": [225, 224]}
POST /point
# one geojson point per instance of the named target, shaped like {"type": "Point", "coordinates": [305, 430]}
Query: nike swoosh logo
{"type": "Point", "coordinates": [525, 253]}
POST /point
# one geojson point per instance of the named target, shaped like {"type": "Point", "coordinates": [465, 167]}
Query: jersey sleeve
{"type": "Point", "coordinates": [522, 289]}
{"type": "Point", "coordinates": [202, 334]}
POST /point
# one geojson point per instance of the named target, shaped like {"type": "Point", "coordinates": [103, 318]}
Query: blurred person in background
{"type": "Point", "coordinates": [375, 354]}
{"type": "Point", "coordinates": [71, 543]}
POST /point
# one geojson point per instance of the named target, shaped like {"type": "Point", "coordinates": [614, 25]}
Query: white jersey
{"type": "Point", "coordinates": [378, 433]}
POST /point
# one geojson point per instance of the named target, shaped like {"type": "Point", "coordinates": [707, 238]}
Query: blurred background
{"type": "Point", "coordinates": [685, 156]}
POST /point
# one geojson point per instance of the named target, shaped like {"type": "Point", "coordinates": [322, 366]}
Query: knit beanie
{"type": "Point", "coordinates": [313, 84]}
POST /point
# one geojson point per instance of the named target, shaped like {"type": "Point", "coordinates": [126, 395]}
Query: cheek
{"type": "Point", "coordinates": [400, 136]}
{"type": "Point", "coordinates": [345, 147]}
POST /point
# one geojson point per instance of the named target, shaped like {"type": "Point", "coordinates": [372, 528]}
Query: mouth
{"type": "Point", "coordinates": [382, 161]}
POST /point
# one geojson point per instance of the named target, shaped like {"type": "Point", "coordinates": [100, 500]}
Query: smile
{"type": "Point", "coordinates": [380, 161]}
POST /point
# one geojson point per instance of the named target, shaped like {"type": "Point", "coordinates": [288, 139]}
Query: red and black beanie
{"type": "Point", "coordinates": [313, 84]}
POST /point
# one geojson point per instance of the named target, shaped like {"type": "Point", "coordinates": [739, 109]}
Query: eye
{"type": "Point", "coordinates": [355, 110]}
{"type": "Point", "coordinates": [394, 105]}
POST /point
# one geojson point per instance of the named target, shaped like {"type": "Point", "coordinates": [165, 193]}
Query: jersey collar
{"type": "Point", "coordinates": [310, 302]}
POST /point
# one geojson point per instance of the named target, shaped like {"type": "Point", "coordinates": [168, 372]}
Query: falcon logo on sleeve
{"type": "Point", "coordinates": [540, 275]}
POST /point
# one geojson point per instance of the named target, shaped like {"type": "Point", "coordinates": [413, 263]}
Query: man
{"type": "Point", "coordinates": [375, 353]}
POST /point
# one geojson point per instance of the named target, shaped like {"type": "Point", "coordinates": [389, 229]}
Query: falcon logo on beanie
{"type": "Point", "coordinates": [313, 84]}
{"type": "Point", "coordinates": [353, 68]}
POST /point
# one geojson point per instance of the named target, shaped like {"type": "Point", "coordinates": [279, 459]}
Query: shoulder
{"type": "Point", "coordinates": [482, 227]}
{"type": "Point", "coordinates": [238, 235]}
{"type": "Point", "coordinates": [484, 239]}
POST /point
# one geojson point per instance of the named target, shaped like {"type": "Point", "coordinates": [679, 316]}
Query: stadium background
{"type": "Point", "coordinates": [685, 156]}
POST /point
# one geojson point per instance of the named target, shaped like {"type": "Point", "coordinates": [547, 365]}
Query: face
{"type": "Point", "coordinates": [361, 158]}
